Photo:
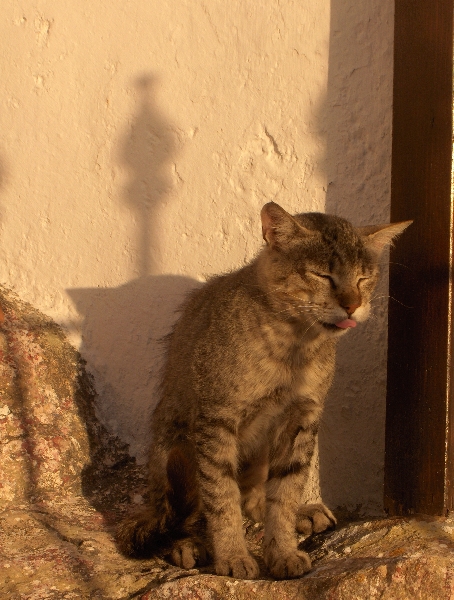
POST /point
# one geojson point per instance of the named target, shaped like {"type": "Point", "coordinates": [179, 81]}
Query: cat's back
{"type": "Point", "coordinates": [204, 347]}
{"type": "Point", "coordinates": [221, 304]}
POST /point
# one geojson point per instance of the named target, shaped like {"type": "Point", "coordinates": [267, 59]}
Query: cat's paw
{"type": "Point", "coordinates": [187, 553]}
{"type": "Point", "coordinates": [240, 567]}
{"type": "Point", "coordinates": [254, 505]}
{"type": "Point", "coordinates": [314, 518]}
{"type": "Point", "coordinates": [289, 566]}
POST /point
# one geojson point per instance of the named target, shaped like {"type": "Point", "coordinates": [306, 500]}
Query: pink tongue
{"type": "Point", "coordinates": [346, 324]}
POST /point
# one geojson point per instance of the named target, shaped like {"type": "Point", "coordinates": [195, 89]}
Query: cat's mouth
{"type": "Point", "coordinates": [330, 326]}
{"type": "Point", "coordinates": [341, 326]}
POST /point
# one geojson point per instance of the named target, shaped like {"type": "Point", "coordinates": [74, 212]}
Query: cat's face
{"type": "Point", "coordinates": [326, 293]}
{"type": "Point", "coordinates": [321, 269]}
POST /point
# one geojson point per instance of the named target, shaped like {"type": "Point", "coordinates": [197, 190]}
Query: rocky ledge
{"type": "Point", "coordinates": [64, 483]}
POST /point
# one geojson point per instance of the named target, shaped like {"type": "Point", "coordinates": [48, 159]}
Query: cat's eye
{"type": "Point", "coordinates": [361, 279]}
{"type": "Point", "coordinates": [323, 276]}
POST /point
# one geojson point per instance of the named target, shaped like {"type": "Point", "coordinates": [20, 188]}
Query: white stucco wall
{"type": "Point", "coordinates": [139, 140]}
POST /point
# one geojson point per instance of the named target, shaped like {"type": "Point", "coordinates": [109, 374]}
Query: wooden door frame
{"type": "Point", "coordinates": [419, 448]}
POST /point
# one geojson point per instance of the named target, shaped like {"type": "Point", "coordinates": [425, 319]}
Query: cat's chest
{"type": "Point", "coordinates": [285, 356]}
{"type": "Point", "coordinates": [282, 373]}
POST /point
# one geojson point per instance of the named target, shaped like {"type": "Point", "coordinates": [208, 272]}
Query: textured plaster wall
{"type": "Point", "coordinates": [138, 142]}
{"type": "Point", "coordinates": [358, 154]}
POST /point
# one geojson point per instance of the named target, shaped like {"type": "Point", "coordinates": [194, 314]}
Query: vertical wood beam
{"type": "Point", "coordinates": [419, 455]}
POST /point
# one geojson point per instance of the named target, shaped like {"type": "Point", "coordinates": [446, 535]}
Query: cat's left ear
{"type": "Point", "coordinates": [279, 229]}
{"type": "Point", "coordinates": [378, 237]}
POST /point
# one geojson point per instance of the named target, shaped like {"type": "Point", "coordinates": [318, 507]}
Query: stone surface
{"type": "Point", "coordinates": [64, 483]}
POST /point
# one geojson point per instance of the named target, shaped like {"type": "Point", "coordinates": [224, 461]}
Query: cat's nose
{"type": "Point", "coordinates": [350, 308]}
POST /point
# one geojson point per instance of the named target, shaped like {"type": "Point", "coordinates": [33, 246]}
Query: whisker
{"type": "Point", "coordinates": [391, 262]}
{"type": "Point", "coordinates": [400, 264]}
{"type": "Point", "coordinates": [392, 298]}
{"type": "Point", "coordinates": [311, 325]}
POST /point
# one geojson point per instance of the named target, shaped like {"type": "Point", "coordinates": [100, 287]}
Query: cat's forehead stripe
{"type": "Point", "coordinates": [334, 261]}
{"type": "Point", "coordinates": [341, 245]}
{"type": "Point", "coordinates": [347, 254]}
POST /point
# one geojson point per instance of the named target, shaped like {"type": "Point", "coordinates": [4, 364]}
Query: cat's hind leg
{"type": "Point", "coordinates": [314, 518]}
{"type": "Point", "coordinates": [145, 532]}
{"type": "Point", "coordinates": [188, 552]}
{"type": "Point", "coordinates": [168, 525]}
{"type": "Point", "coordinates": [251, 480]}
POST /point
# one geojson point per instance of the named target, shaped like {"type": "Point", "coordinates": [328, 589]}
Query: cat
{"type": "Point", "coordinates": [248, 366]}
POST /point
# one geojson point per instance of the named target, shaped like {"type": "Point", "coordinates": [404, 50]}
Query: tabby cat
{"type": "Point", "coordinates": [249, 364]}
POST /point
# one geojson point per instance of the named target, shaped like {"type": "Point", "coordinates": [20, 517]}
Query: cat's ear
{"type": "Point", "coordinates": [279, 229]}
{"type": "Point", "coordinates": [378, 237]}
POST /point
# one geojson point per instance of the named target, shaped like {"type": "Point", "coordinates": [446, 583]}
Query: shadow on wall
{"type": "Point", "coordinates": [351, 440]}
{"type": "Point", "coordinates": [122, 326]}
{"type": "Point", "coordinates": [147, 151]}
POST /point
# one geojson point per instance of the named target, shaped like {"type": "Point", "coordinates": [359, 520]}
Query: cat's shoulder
{"type": "Point", "coordinates": [230, 284]}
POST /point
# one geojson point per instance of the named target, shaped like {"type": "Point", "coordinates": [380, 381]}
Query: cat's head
{"type": "Point", "coordinates": [320, 268]}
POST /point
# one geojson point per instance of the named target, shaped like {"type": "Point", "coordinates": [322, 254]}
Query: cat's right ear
{"type": "Point", "coordinates": [379, 237]}
{"type": "Point", "coordinates": [279, 229]}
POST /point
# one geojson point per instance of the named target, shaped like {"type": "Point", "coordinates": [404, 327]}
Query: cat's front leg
{"type": "Point", "coordinates": [217, 461]}
{"type": "Point", "coordinates": [289, 467]}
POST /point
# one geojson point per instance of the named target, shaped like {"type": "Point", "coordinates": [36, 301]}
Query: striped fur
{"type": "Point", "coordinates": [248, 367]}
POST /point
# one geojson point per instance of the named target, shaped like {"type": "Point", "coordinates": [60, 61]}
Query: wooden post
{"type": "Point", "coordinates": [419, 459]}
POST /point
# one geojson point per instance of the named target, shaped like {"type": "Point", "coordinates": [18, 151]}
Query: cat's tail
{"type": "Point", "coordinates": [171, 517]}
